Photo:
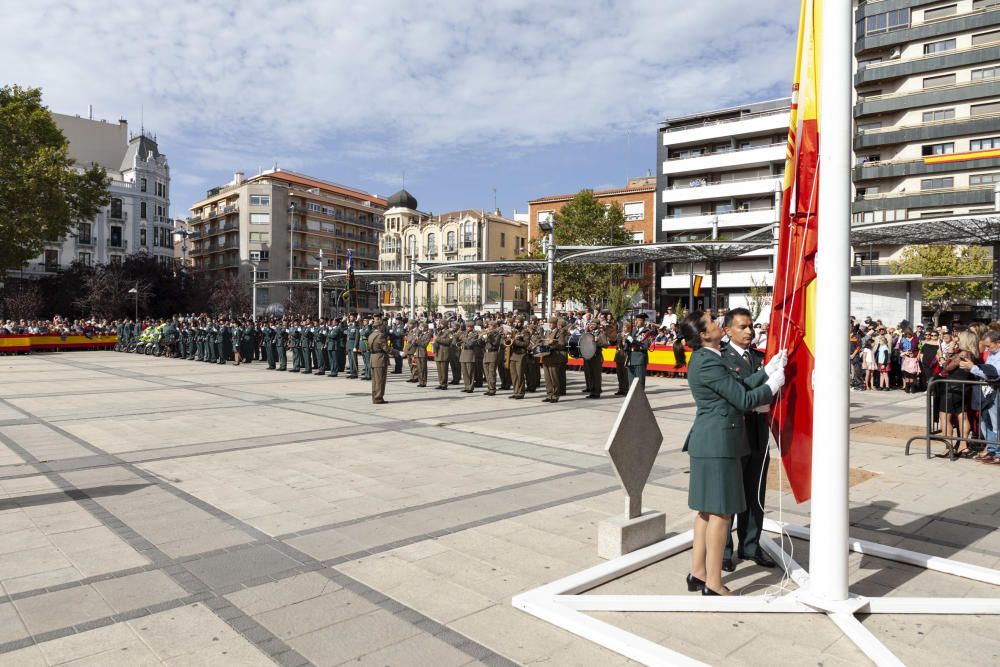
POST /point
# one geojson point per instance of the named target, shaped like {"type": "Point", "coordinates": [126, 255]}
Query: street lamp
{"type": "Point", "coordinates": [292, 208]}
{"type": "Point", "coordinates": [135, 290]}
{"type": "Point", "coordinates": [185, 233]}
{"type": "Point", "coordinates": [549, 244]}
{"type": "Point", "coordinates": [253, 292]}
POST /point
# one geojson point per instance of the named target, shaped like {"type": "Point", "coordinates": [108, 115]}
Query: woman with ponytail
{"type": "Point", "coordinates": [717, 441]}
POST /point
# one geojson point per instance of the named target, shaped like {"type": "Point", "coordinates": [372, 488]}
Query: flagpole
{"type": "Point", "coordinates": [828, 547]}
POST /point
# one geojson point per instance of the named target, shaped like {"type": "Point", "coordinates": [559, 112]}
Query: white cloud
{"type": "Point", "coordinates": [390, 79]}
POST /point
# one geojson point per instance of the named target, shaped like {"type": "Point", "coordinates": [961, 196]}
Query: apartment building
{"type": "Point", "coordinates": [278, 222]}
{"type": "Point", "coordinates": [927, 112]}
{"type": "Point", "coordinates": [411, 235]}
{"type": "Point", "coordinates": [720, 173]}
{"type": "Point", "coordinates": [137, 218]}
{"type": "Point", "coordinates": [638, 201]}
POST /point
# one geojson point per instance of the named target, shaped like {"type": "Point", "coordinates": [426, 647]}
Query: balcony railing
{"type": "Point", "coordinates": [726, 152]}
{"type": "Point", "coordinates": [120, 245]}
{"type": "Point", "coordinates": [931, 191]}
{"type": "Point", "coordinates": [708, 123]}
{"type": "Point", "coordinates": [871, 270]}
{"type": "Point", "coordinates": [706, 182]}
{"type": "Point", "coordinates": [121, 216]}
{"type": "Point", "coordinates": [84, 240]}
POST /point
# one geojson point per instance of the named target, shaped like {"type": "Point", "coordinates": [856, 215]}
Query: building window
{"type": "Point", "coordinates": [938, 114]}
{"type": "Point", "coordinates": [85, 258]}
{"type": "Point", "coordinates": [939, 47]}
{"type": "Point", "coordinates": [450, 242]}
{"type": "Point", "coordinates": [937, 183]}
{"type": "Point", "coordinates": [503, 240]}
{"type": "Point", "coordinates": [263, 275]}
{"type": "Point", "coordinates": [315, 208]}
{"type": "Point", "coordinates": [115, 240]}
{"type": "Point", "coordinates": [161, 190]}
{"type": "Point", "coordinates": [261, 219]}
{"type": "Point", "coordinates": [938, 81]}
{"type": "Point", "coordinates": [940, 12]}
{"type": "Point", "coordinates": [468, 289]}
{"type": "Point", "coordinates": [411, 246]}
{"type": "Point", "coordinates": [635, 210]}
{"type": "Point", "coordinates": [986, 109]}
{"type": "Point", "coordinates": [983, 4]}
{"type": "Point", "coordinates": [986, 37]}
{"type": "Point", "coordinates": [633, 270]}
{"type": "Point", "coordinates": [142, 210]}
{"type": "Point", "coordinates": [165, 237]}
{"type": "Point", "coordinates": [260, 255]}
{"type": "Point", "coordinates": [142, 185]}
{"type": "Point", "coordinates": [986, 72]}
{"type": "Point", "coordinates": [260, 200]}
{"type": "Point", "coordinates": [260, 237]}
{"type": "Point", "coordinates": [984, 144]}
{"type": "Point", "coordinates": [142, 238]}
{"type": "Point", "coordinates": [887, 22]}
{"type": "Point", "coordinates": [51, 260]}
{"type": "Point", "coordinates": [984, 179]}
{"type": "Point", "coordinates": [83, 233]}
{"type": "Point", "coordinates": [432, 244]}
{"type": "Point", "coordinates": [450, 293]}
{"type": "Point", "coordinates": [469, 234]}
{"type": "Point", "coordinates": [116, 209]}
{"type": "Point", "coordinates": [938, 149]}
{"type": "Point", "coordinates": [869, 126]}
{"type": "Point", "coordinates": [866, 94]}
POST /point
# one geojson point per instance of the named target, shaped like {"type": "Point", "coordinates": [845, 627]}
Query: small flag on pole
{"type": "Point", "coordinates": [696, 285]}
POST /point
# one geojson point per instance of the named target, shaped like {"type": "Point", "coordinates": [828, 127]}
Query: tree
{"type": "Point", "coordinates": [586, 221]}
{"type": "Point", "coordinates": [23, 301]}
{"type": "Point", "coordinates": [620, 299]}
{"type": "Point", "coordinates": [759, 297]}
{"type": "Point", "coordinates": [947, 260]}
{"type": "Point", "coordinates": [107, 294]}
{"type": "Point", "coordinates": [230, 297]}
{"type": "Point", "coordinates": [302, 302]}
{"type": "Point", "coordinates": [42, 194]}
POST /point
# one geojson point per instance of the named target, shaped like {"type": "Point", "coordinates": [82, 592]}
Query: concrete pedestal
{"type": "Point", "coordinates": [620, 535]}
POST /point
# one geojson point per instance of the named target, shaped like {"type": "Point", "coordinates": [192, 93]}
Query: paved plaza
{"type": "Point", "coordinates": [158, 511]}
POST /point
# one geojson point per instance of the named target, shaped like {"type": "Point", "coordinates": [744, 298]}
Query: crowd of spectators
{"type": "Point", "coordinates": [57, 326]}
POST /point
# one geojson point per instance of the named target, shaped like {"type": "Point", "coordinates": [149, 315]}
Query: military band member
{"type": "Point", "coordinates": [379, 349]}
{"type": "Point", "coordinates": [442, 352]}
{"type": "Point", "coordinates": [270, 353]}
{"type": "Point", "coordinates": [455, 356]}
{"type": "Point", "coordinates": [555, 340]}
{"type": "Point", "coordinates": [479, 371]}
{"type": "Point", "coordinates": [533, 364]}
{"type": "Point", "coordinates": [423, 340]}
{"type": "Point", "coordinates": [467, 343]}
{"type": "Point", "coordinates": [295, 344]}
{"type": "Point", "coordinates": [238, 343]}
{"type": "Point", "coordinates": [621, 358]}
{"type": "Point", "coordinates": [563, 359]}
{"type": "Point", "coordinates": [492, 349]}
{"type": "Point", "coordinates": [520, 352]}
{"type": "Point", "coordinates": [410, 351]}
{"type": "Point", "coordinates": [306, 345]}
{"type": "Point", "coordinates": [639, 341]}
{"type": "Point", "coordinates": [397, 337]}
{"type": "Point", "coordinates": [593, 368]}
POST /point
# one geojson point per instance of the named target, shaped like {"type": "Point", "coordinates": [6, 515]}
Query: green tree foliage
{"type": "Point", "coordinates": [42, 194]}
{"type": "Point", "coordinates": [759, 297]}
{"type": "Point", "coordinates": [947, 260]}
{"type": "Point", "coordinates": [620, 299]}
{"type": "Point", "coordinates": [585, 221]}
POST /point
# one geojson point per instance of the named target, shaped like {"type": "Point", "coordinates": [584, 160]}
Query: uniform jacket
{"type": "Point", "coordinates": [468, 341]}
{"type": "Point", "coordinates": [494, 339]}
{"type": "Point", "coordinates": [378, 345]}
{"type": "Point", "coordinates": [353, 337]}
{"type": "Point", "coordinates": [333, 335]}
{"type": "Point", "coordinates": [752, 375]}
{"type": "Point", "coordinates": [442, 345]}
{"type": "Point", "coordinates": [719, 430]}
{"type": "Point", "coordinates": [638, 349]}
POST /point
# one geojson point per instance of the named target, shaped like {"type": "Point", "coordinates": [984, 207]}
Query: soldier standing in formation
{"type": "Point", "coordinates": [352, 336]}
{"type": "Point", "coordinates": [379, 348]}
{"type": "Point", "coordinates": [467, 343]}
{"type": "Point", "coordinates": [442, 351]}
{"type": "Point", "coordinates": [492, 345]}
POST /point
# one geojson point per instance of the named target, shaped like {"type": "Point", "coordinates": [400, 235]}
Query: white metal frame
{"type": "Point", "coordinates": [563, 603]}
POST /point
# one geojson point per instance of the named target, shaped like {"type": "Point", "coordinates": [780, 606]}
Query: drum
{"type": "Point", "coordinates": [573, 346]}
{"type": "Point", "coordinates": [588, 346]}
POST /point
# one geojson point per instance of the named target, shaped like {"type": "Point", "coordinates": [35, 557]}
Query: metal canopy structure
{"type": "Point", "coordinates": [975, 229]}
{"type": "Point", "coordinates": [504, 267]}
{"type": "Point", "coordinates": [705, 250]}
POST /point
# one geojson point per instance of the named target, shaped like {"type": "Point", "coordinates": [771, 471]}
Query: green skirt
{"type": "Point", "coordinates": [716, 486]}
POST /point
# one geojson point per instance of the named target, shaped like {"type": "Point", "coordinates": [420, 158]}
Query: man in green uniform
{"type": "Point", "coordinates": [555, 339]}
{"type": "Point", "coordinates": [621, 358]}
{"type": "Point", "coordinates": [467, 343]}
{"type": "Point", "coordinates": [455, 355]}
{"type": "Point", "coordinates": [320, 342]}
{"type": "Point", "coordinates": [423, 339]}
{"type": "Point", "coordinates": [520, 352]}
{"type": "Point", "coordinates": [281, 344]}
{"type": "Point", "coordinates": [353, 342]}
{"type": "Point", "coordinates": [533, 364]}
{"type": "Point", "coordinates": [306, 345]}
{"type": "Point", "coordinates": [442, 352]}
{"type": "Point", "coordinates": [638, 341]}
{"type": "Point", "coordinates": [363, 333]}
{"type": "Point", "coordinates": [379, 349]}
{"type": "Point", "coordinates": [295, 344]}
{"type": "Point", "coordinates": [593, 368]}
{"type": "Point", "coordinates": [492, 349]}
{"type": "Point", "coordinates": [334, 332]}
{"type": "Point", "coordinates": [410, 348]}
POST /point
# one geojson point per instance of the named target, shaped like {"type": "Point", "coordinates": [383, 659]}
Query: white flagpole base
{"type": "Point", "coordinates": [562, 603]}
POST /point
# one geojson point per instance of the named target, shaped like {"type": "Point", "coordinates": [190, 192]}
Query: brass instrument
{"type": "Point", "coordinates": [508, 345]}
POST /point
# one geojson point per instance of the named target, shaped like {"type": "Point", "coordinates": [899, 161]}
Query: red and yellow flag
{"type": "Point", "coordinates": [793, 310]}
{"type": "Point", "coordinates": [696, 285]}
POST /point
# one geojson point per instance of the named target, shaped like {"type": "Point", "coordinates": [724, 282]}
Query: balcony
{"type": "Point", "coordinates": [120, 245]}
{"type": "Point", "coordinates": [943, 197]}
{"type": "Point", "coordinates": [871, 270]}
{"type": "Point", "coordinates": [85, 240]}
{"type": "Point", "coordinates": [122, 215]}
{"type": "Point", "coordinates": [746, 125]}
{"type": "Point", "coordinates": [748, 157]}
{"type": "Point", "coordinates": [707, 191]}
{"type": "Point", "coordinates": [925, 97]}
{"type": "Point", "coordinates": [450, 249]}
{"type": "Point", "coordinates": [899, 168]}
{"type": "Point", "coordinates": [704, 221]}
{"type": "Point", "coordinates": [926, 132]}
{"type": "Point", "coordinates": [727, 279]}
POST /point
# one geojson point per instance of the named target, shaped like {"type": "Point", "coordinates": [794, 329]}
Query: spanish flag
{"type": "Point", "coordinates": [793, 310]}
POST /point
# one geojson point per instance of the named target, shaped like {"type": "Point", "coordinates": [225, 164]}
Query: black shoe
{"type": "Point", "coordinates": [546, 400]}
{"type": "Point", "coordinates": [694, 583]}
{"type": "Point", "coordinates": [421, 385]}
{"type": "Point", "coordinates": [585, 391]}
{"type": "Point", "coordinates": [594, 396]}
{"type": "Point", "coordinates": [490, 393]}
{"type": "Point", "coordinates": [761, 559]}
{"type": "Point", "coordinates": [621, 393]}
{"type": "Point", "coordinates": [708, 591]}
{"type": "Point", "coordinates": [727, 566]}
{"type": "Point", "coordinates": [516, 398]}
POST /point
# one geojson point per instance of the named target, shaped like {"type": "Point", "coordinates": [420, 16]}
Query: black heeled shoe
{"type": "Point", "coordinates": [695, 584]}
{"type": "Point", "coordinates": [708, 591]}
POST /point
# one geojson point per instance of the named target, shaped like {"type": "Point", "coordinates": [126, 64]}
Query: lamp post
{"type": "Point", "coordinates": [320, 299]}
{"type": "Point", "coordinates": [413, 287]}
{"type": "Point", "coordinates": [185, 233]}
{"type": "Point", "coordinates": [253, 293]}
{"type": "Point", "coordinates": [135, 291]}
{"type": "Point", "coordinates": [550, 257]}
{"type": "Point", "coordinates": [292, 208]}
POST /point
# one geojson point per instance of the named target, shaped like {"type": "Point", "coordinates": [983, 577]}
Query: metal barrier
{"type": "Point", "coordinates": [942, 394]}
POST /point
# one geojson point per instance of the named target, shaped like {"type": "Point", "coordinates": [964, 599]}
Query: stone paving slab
{"type": "Point", "coordinates": [183, 513]}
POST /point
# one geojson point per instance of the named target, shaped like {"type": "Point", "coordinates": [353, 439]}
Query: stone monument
{"type": "Point", "coordinates": [632, 446]}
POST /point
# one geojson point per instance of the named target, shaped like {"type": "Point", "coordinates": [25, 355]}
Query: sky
{"type": "Point", "coordinates": [455, 99]}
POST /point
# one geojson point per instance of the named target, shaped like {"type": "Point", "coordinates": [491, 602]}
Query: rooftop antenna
{"type": "Point", "coordinates": [494, 198]}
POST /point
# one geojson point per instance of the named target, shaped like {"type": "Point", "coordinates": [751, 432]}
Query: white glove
{"type": "Point", "coordinates": [777, 363]}
{"type": "Point", "coordinates": [776, 381]}
{"type": "Point", "coordinates": [628, 338]}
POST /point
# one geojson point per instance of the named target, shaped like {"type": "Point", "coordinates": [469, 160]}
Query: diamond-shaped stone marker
{"type": "Point", "coordinates": [633, 444]}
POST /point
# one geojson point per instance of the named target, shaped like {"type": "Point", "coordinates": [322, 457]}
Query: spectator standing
{"type": "Point", "coordinates": [989, 370]}
{"type": "Point", "coordinates": [669, 319]}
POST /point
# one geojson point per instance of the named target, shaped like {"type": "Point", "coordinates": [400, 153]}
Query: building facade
{"type": "Point", "coordinates": [638, 201]}
{"type": "Point", "coordinates": [927, 113]}
{"type": "Point", "coordinates": [137, 219]}
{"type": "Point", "coordinates": [278, 222]}
{"type": "Point", "coordinates": [411, 235]}
{"type": "Point", "coordinates": [720, 173]}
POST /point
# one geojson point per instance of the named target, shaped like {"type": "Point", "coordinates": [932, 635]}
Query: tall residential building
{"type": "Point", "coordinates": [459, 236]}
{"type": "Point", "coordinates": [720, 172]}
{"type": "Point", "coordinates": [638, 201]}
{"type": "Point", "coordinates": [137, 220]}
{"type": "Point", "coordinates": [928, 106]}
{"type": "Point", "coordinates": [278, 222]}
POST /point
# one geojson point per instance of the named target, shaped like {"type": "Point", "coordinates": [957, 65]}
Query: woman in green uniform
{"type": "Point", "coordinates": [717, 441]}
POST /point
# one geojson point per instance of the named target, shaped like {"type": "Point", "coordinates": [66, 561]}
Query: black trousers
{"type": "Point", "coordinates": [750, 522]}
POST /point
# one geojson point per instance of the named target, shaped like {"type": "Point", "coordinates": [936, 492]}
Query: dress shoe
{"type": "Point", "coordinates": [546, 400]}
{"type": "Point", "coordinates": [421, 385]}
{"type": "Point", "coordinates": [490, 393]}
{"type": "Point", "coordinates": [708, 591]}
{"type": "Point", "coordinates": [727, 565]}
{"type": "Point", "coordinates": [620, 393]}
{"type": "Point", "coordinates": [516, 398]}
{"type": "Point", "coordinates": [380, 402]}
{"type": "Point", "coordinates": [761, 559]}
{"type": "Point", "coordinates": [594, 396]}
{"type": "Point", "coordinates": [694, 583]}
